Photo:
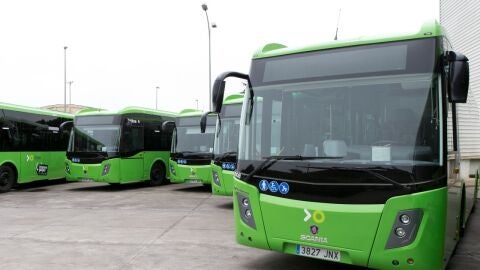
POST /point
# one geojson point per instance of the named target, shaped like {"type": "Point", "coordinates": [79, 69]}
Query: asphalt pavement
{"type": "Point", "coordinates": [96, 226]}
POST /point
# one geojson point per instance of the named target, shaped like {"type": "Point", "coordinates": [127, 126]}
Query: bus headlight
{"type": "Point", "coordinates": [405, 219]}
{"type": "Point", "coordinates": [216, 178]}
{"type": "Point", "coordinates": [67, 168]}
{"type": "Point", "coordinates": [405, 228]}
{"type": "Point", "coordinates": [400, 232]}
{"type": "Point", "coordinates": [172, 170]}
{"type": "Point", "coordinates": [245, 209]}
{"type": "Point", "coordinates": [106, 169]}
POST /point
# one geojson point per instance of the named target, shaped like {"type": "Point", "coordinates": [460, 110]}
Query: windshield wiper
{"type": "Point", "coordinates": [269, 161]}
{"type": "Point", "coordinates": [373, 173]}
{"type": "Point", "coordinates": [224, 155]}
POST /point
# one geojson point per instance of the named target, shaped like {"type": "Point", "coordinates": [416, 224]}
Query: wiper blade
{"type": "Point", "coordinates": [372, 172]}
{"type": "Point", "coordinates": [269, 161]}
{"type": "Point", "coordinates": [222, 156]}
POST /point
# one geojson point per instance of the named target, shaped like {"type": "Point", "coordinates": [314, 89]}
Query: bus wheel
{"type": "Point", "coordinates": [7, 178]}
{"type": "Point", "coordinates": [157, 175]}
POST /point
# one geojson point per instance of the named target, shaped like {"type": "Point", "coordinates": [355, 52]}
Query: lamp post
{"type": "Point", "coordinates": [65, 78]}
{"type": "Point", "coordinates": [70, 92]}
{"type": "Point", "coordinates": [156, 97]}
{"type": "Point", "coordinates": [213, 25]}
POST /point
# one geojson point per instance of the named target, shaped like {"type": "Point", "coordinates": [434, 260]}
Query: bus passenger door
{"type": "Point", "coordinates": [132, 163]}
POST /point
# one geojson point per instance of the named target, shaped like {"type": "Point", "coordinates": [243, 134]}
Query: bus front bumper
{"type": "Point", "coordinates": [107, 171]}
{"type": "Point", "coordinates": [190, 173]}
{"type": "Point", "coordinates": [222, 181]}
{"type": "Point", "coordinates": [358, 234]}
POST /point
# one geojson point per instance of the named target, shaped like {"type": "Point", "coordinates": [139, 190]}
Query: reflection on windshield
{"type": "Point", "coordinates": [190, 139]}
{"type": "Point", "coordinates": [98, 138]}
{"type": "Point", "coordinates": [227, 139]}
{"type": "Point", "coordinates": [372, 120]}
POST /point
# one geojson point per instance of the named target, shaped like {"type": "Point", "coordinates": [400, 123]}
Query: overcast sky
{"type": "Point", "coordinates": [119, 51]}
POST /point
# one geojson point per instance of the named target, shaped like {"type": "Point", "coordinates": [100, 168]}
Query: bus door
{"type": "Point", "coordinates": [132, 144]}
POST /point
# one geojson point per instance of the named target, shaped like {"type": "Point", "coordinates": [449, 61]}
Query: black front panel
{"type": "Point", "coordinates": [192, 158]}
{"type": "Point", "coordinates": [90, 158]}
{"type": "Point", "coordinates": [346, 185]}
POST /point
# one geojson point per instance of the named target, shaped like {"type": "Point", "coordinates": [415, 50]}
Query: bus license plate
{"type": "Point", "coordinates": [319, 253]}
{"type": "Point", "coordinates": [193, 181]}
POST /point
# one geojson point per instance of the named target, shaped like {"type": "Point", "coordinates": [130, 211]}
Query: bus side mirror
{"type": "Point", "coordinates": [168, 126]}
{"type": "Point", "coordinates": [458, 77]}
{"type": "Point", "coordinates": [218, 90]}
{"type": "Point", "coordinates": [203, 122]}
{"type": "Point", "coordinates": [66, 126]}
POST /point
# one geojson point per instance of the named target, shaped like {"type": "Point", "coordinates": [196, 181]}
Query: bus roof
{"type": "Point", "coordinates": [428, 30]}
{"type": "Point", "coordinates": [233, 99]}
{"type": "Point", "coordinates": [26, 109]}
{"type": "Point", "coordinates": [128, 110]}
{"type": "Point", "coordinates": [189, 112]}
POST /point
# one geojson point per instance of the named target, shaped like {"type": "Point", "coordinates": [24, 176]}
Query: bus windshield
{"type": "Point", "coordinates": [96, 138]}
{"type": "Point", "coordinates": [226, 139]}
{"type": "Point", "coordinates": [189, 139]}
{"type": "Point", "coordinates": [374, 105]}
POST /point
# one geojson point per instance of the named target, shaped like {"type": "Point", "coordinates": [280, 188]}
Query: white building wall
{"type": "Point", "coordinates": [461, 20]}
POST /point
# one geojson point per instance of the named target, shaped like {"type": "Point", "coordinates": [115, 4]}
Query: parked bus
{"type": "Point", "coordinates": [225, 147]}
{"type": "Point", "coordinates": [348, 151]}
{"type": "Point", "coordinates": [192, 151]}
{"type": "Point", "coordinates": [33, 143]}
{"type": "Point", "coordinates": [131, 145]}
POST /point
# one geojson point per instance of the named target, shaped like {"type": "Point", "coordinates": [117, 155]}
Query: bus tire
{"type": "Point", "coordinates": [7, 178]}
{"type": "Point", "coordinates": [157, 174]}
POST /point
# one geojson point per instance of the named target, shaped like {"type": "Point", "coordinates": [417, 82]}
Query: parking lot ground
{"type": "Point", "coordinates": [97, 226]}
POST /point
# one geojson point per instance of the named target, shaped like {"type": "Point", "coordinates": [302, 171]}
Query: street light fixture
{"type": "Point", "coordinates": [213, 25]}
{"type": "Point", "coordinates": [65, 78]}
{"type": "Point", "coordinates": [156, 97]}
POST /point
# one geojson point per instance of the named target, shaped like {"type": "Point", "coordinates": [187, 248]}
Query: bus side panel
{"type": "Point", "coordinates": [32, 165]}
{"type": "Point", "coordinates": [426, 251]}
{"type": "Point", "coordinates": [131, 168]}
{"type": "Point", "coordinates": [56, 165]}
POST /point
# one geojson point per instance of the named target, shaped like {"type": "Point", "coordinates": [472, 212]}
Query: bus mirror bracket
{"type": "Point", "coordinates": [168, 125]}
{"type": "Point", "coordinates": [458, 77]}
{"type": "Point", "coordinates": [66, 126]}
{"type": "Point", "coordinates": [203, 122]}
{"type": "Point", "coordinates": [218, 90]}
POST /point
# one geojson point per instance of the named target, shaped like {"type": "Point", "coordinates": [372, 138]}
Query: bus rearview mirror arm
{"type": "Point", "coordinates": [219, 88]}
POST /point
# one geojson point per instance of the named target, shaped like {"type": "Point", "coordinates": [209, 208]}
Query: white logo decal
{"type": "Point", "coordinates": [308, 215]}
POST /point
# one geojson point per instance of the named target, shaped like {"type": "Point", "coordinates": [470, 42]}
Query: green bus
{"type": "Point", "coordinates": [33, 143]}
{"type": "Point", "coordinates": [225, 146]}
{"type": "Point", "coordinates": [192, 151]}
{"type": "Point", "coordinates": [349, 151]}
{"type": "Point", "coordinates": [131, 145]}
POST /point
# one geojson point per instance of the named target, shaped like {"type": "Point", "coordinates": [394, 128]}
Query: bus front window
{"type": "Point", "coordinates": [342, 111]}
{"type": "Point", "coordinates": [98, 138]}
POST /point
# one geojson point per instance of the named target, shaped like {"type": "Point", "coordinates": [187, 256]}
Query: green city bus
{"type": "Point", "coordinates": [225, 146]}
{"type": "Point", "coordinates": [192, 151]}
{"type": "Point", "coordinates": [33, 143]}
{"type": "Point", "coordinates": [349, 151]}
{"type": "Point", "coordinates": [131, 145]}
